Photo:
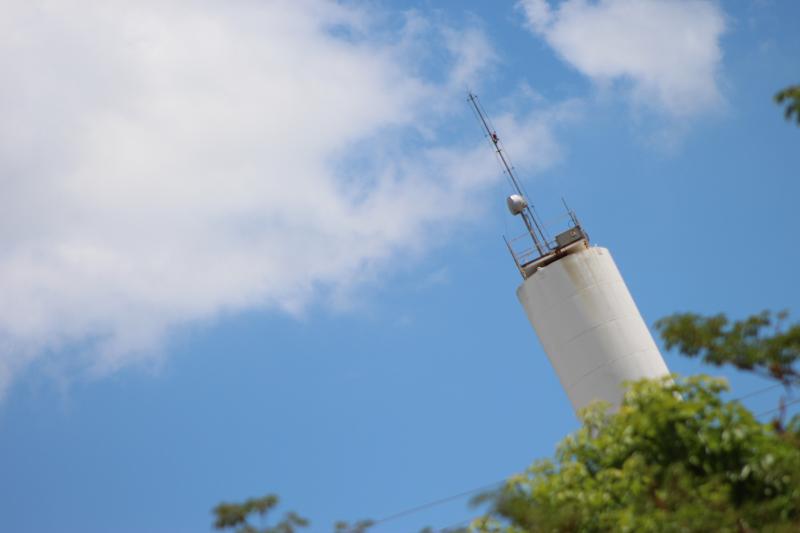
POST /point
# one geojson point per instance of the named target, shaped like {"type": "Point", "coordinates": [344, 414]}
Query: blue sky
{"type": "Point", "coordinates": [256, 247]}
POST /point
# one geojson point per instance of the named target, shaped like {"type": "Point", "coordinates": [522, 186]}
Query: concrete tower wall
{"type": "Point", "coordinates": [590, 326]}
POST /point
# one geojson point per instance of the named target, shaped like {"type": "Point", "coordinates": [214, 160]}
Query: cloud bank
{"type": "Point", "coordinates": [164, 162]}
{"type": "Point", "coordinates": [668, 51]}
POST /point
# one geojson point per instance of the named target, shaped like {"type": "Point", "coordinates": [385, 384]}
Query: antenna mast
{"type": "Point", "coordinates": [518, 203]}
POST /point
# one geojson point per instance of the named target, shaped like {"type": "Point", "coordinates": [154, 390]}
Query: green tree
{"type": "Point", "coordinates": [236, 516]}
{"type": "Point", "coordinates": [357, 527]}
{"type": "Point", "coordinates": [675, 457]}
{"type": "Point", "coordinates": [761, 344]}
{"type": "Point", "coordinates": [790, 96]}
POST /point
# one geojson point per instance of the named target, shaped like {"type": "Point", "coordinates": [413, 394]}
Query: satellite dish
{"type": "Point", "coordinates": [516, 204]}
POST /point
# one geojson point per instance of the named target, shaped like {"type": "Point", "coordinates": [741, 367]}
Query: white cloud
{"type": "Point", "coordinates": [667, 50]}
{"type": "Point", "coordinates": [163, 162]}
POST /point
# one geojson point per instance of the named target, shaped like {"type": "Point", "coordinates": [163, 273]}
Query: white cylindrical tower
{"type": "Point", "coordinates": [589, 325]}
{"type": "Point", "coordinates": [577, 302]}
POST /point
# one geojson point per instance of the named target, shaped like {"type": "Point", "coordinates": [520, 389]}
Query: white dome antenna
{"type": "Point", "coordinates": [516, 204]}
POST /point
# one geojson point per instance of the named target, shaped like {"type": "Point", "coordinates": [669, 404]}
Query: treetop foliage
{"type": "Point", "coordinates": [758, 344]}
{"type": "Point", "coordinates": [236, 516]}
{"type": "Point", "coordinates": [790, 95]}
{"type": "Point", "coordinates": [675, 457]}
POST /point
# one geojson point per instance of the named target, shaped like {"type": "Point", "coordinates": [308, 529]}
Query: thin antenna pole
{"type": "Point", "coordinates": [528, 217]}
{"type": "Point", "coordinates": [496, 142]}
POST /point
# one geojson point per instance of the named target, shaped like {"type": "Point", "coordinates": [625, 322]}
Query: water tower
{"type": "Point", "coordinates": [577, 302]}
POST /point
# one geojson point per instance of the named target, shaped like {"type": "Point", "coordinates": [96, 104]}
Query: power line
{"type": "Point", "coordinates": [434, 503]}
{"type": "Point", "coordinates": [757, 392]}
{"type": "Point", "coordinates": [785, 404]}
